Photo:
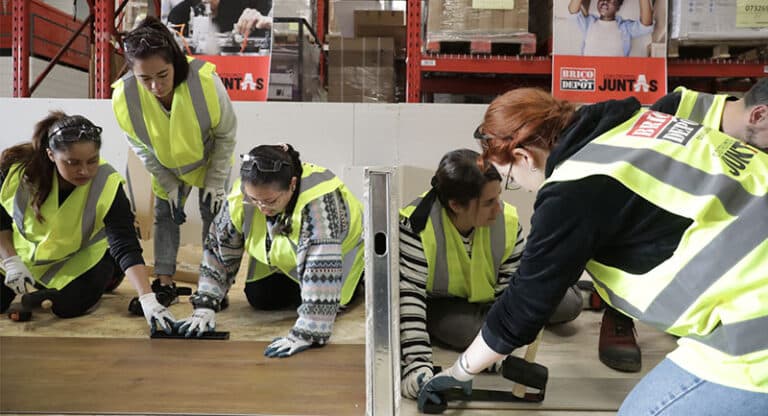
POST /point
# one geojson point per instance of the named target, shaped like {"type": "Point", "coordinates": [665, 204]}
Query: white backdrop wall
{"type": "Point", "coordinates": [343, 137]}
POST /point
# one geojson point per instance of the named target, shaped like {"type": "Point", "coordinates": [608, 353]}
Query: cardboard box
{"type": "Point", "coordinates": [718, 20]}
{"type": "Point", "coordinates": [341, 20]}
{"type": "Point", "coordinates": [382, 23]}
{"type": "Point", "coordinates": [457, 19]}
{"type": "Point", "coordinates": [361, 70]}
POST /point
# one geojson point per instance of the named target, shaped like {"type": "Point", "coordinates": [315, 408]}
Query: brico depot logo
{"type": "Point", "coordinates": [577, 79]}
{"type": "Point", "coordinates": [655, 125]}
{"type": "Point", "coordinates": [629, 83]}
{"type": "Point", "coordinates": [244, 82]}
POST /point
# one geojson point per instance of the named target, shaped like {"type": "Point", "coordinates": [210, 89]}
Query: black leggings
{"type": "Point", "coordinates": [81, 294]}
{"type": "Point", "coordinates": [276, 291]}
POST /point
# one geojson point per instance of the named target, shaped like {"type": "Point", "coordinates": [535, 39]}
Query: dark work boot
{"type": "Point", "coordinates": [618, 346]}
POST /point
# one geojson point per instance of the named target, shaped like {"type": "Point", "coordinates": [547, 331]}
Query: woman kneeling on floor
{"type": "Point", "coordinates": [66, 224]}
{"type": "Point", "coordinates": [302, 229]}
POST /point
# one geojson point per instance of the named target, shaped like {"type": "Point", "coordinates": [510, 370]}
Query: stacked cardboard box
{"type": "Point", "coordinates": [341, 13]}
{"type": "Point", "coordinates": [719, 20]}
{"type": "Point", "coordinates": [460, 19]}
{"type": "Point", "coordinates": [383, 24]}
{"type": "Point", "coordinates": [361, 70]}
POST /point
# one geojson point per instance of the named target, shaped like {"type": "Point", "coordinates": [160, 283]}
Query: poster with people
{"type": "Point", "coordinates": [235, 35]}
{"type": "Point", "coordinates": [609, 49]}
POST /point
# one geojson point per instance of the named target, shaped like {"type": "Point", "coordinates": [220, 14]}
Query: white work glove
{"type": "Point", "coordinates": [217, 198]}
{"type": "Point", "coordinates": [250, 19]}
{"type": "Point", "coordinates": [286, 346]}
{"type": "Point", "coordinates": [156, 314]}
{"type": "Point", "coordinates": [202, 320]}
{"type": "Point", "coordinates": [17, 275]}
{"type": "Point", "coordinates": [411, 385]}
{"type": "Point", "coordinates": [175, 196]}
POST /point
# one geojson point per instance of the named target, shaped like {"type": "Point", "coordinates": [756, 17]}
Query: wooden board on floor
{"type": "Point", "coordinates": [97, 375]}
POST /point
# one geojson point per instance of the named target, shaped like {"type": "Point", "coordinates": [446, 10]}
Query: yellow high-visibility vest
{"type": "Point", "coordinates": [72, 239]}
{"type": "Point", "coordinates": [705, 109]}
{"type": "Point", "coordinates": [713, 292]}
{"type": "Point", "coordinates": [451, 271]}
{"type": "Point", "coordinates": [181, 141]}
{"type": "Point", "coordinates": [315, 182]}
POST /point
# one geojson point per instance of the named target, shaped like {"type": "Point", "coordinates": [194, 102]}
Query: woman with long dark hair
{"type": "Point", "coordinates": [66, 224]}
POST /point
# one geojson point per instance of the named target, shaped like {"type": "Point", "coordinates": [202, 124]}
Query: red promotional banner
{"type": "Point", "coordinates": [600, 78]}
{"type": "Point", "coordinates": [609, 49]}
{"type": "Point", "coordinates": [245, 77]}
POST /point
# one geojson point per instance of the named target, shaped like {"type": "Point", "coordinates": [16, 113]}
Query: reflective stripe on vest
{"type": "Point", "coordinates": [307, 183]}
{"type": "Point", "coordinates": [441, 277]}
{"type": "Point", "coordinates": [740, 237]}
{"type": "Point", "coordinates": [703, 108]}
{"type": "Point", "coordinates": [135, 113]}
{"type": "Point", "coordinates": [21, 199]}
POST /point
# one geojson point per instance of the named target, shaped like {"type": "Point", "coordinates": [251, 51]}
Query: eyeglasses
{"type": "Point", "coordinates": [75, 133]}
{"type": "Point", "coordinates": [509, 183]}
{"type": "Point", "coordinates": [264, 204]}
{"type": "Point", "coordinates": [260, 163]}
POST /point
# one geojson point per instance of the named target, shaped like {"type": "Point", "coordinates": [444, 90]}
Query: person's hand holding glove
{"type": "Point", "coordinates": [413, 382]}
{"type": "Point", "coordinates": [156, 314]}
{"type": "Point", "coordinates": [202, 320]}
{"type": "Point", "coordinates": [286, 346]}
{"type": "Point", "coordinates": [17, 275]}
{"type": "Point", "coordinates": [176, 200]}
{"type": "Point", "coordinates": [216, 198]}
{"type": "Point", "coordinates": [252, 19]}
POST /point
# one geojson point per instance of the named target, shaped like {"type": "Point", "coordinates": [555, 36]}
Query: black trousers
{"type": "Point", "coordinates": [276, 291]}
{"type": "Point", "coordinates": [80, 295]}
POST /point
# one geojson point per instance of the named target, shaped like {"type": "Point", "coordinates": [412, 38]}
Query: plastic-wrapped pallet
{"type": "Point", "coordinates": [461, 19]}
{"type": "Point", "coordinates": [361, 70]}
{"type": "Point", "coordinates": [719, 20]}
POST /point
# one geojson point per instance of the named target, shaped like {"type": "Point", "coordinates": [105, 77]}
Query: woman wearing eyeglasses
{"type": "Point", "coordinates": [66, 224]}
{"type": "Point", "coordinates": [302, 229]}
{"type": "Point", "coordinates": [669, 219]}
{"type": "Point", "coordinates": [179, 120]}
{"type": "Point", "coordinates": [459, 247]}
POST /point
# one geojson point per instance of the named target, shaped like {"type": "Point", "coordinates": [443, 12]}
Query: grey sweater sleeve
{"type": "Point", "coordinates": [223, 135]}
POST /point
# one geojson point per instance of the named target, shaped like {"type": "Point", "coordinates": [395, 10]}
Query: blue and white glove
{"type": "Point", "coordinates": [202, 320]}
{"type": "Point", "coordinates": [286, 346]}
{"type": "Point", "coordinates": [17, 275]}
{"type": "Point", "coordinates": [455, 376]}
{"type": "Point", "coordinates": [411, 384]}
{"type": "Point", "coordinates": [156, 314]}
{"type": "Point", "coordinates": [217, 198]}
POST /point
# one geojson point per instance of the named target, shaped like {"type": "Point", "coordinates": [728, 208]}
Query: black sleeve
{"type": "Point", "coordinates": [6, 221]}
{"type": "Point", "coordinates": [179, 14]}
{"type": "Point", "coordinates": [668, 104]}
{"type": "Point", "coordinates": [593, 218]}
{"type": "Point", "coordinates": [121, 232]}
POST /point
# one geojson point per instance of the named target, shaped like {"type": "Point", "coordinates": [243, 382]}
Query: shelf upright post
{"type": "Point", "coordinates": [413, 50]}
{"type": "Point", "coordinates": [22, 41]}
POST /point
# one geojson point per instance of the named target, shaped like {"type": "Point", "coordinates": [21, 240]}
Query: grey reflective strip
{"type": "Point", "coordinates": [51, 272]}
{"type": "Point", "coordinates": [20, 201]}
{"type": "Point", "coordinates": [316, 178]}
{"type": "Point", "coordinates": [199, 104]}
{"type": "Point", "coordinates": [248, 211]}
{"type": "Point", "coordinates": [135, 113]}
{"type": "Point", "coordinates": [738, 338]}
{"type": "Point", "coordinates": [720, 255]}
{"type": "Point", "coordinates": [440, 277]}
{"type": "Point", "coordinates": [348, 261]}
{"type": "Point", "coordinates": [701, 107]}
{"type": "Point", "coordinates": [498, 240]}
{"type": "Point", "coordinates": [89, 213]}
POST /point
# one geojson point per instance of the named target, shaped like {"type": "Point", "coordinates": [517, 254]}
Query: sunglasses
{"type": "Point", "coordinates": [75, 134]}
{"type": "Point", "coordinates": [260, 163]}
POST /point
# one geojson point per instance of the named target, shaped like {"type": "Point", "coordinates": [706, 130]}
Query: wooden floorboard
{"type": "Point", "coordinates": [97, 376]}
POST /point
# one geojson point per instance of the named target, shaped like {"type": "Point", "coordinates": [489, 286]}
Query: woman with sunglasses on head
{"type": "Point", "coordinates": [66, 224]}
{"type": "Point", "coordinates": [179, 120]}
{"type": "Point", "coordinates": [302, 229]}
{"type": "Point", "coordinates": [667, 216]}
{"type": "Point", "coordinates": [459, 247]}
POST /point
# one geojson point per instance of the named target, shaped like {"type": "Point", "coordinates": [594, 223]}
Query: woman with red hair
{"type": "Point", "coordinates": [667, 216]}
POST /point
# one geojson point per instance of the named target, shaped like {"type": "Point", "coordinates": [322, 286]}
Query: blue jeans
{"type": "Point", "coordinates": [166, 233]}
{"type": "Point", "coordinates": [669, 390]}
